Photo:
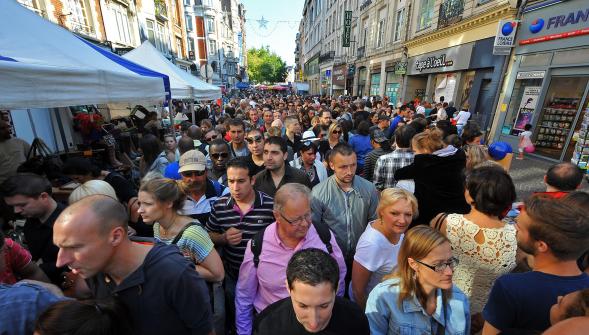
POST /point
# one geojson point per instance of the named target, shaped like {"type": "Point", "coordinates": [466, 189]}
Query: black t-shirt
{"type": "Point", "coordinates": [254, 168]}
{"type": "Point", "coordinates": [39, 239]}
{"type": "Point", "coordinates": [279, 318]}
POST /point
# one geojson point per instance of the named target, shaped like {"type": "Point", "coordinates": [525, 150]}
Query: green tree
{"type": "Point", "coordinates": [264, 66]}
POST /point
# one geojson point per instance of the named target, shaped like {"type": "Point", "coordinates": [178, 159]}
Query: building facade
{"type": "Point", "coordinates": [548, 84]}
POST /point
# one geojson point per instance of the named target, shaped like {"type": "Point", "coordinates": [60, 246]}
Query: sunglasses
{"type": "Point", "coordinates": [208, 139]}
{"type": "Point", "coordinates": [336, 132]}
{"type": "Point", "coordinates": [192, 173]}
{"type": "Point", "coordinates": [220, 155]}
{"type": "Point", "coordinates": [251, 140]}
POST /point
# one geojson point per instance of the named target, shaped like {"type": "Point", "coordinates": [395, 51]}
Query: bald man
{"type": "Point", "coordinates": [161, 289]}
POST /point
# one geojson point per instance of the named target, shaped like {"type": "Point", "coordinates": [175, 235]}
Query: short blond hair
{"type": "Point", "coordinates": [92, 187]}
{"type": "Point", "coordinates": [390, 196]}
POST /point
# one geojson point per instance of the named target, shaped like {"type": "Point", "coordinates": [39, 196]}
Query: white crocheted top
{"type": "Point", "coordinates": [480, 264]}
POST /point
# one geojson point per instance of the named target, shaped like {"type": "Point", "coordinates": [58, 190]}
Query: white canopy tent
{"type": "Point", "coordinates": [44, 65]}
{"type": "Point", "coordinates": [182, 84]}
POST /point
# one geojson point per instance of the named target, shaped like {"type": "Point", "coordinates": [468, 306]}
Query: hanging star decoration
{"type": "Point", "coordinates": [263, 23]}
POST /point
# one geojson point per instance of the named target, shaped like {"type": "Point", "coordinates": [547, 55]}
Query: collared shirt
{"type": "Point", "coordinates": [346, 213]}
{"type": "Point", "coordinates": [226, 214]}
{"type": "Point", "coordinates": [39, 239]}
{"type": "Point", "coordinates": [386, 165]}
{"type": "Point", "coordinates": [21, 304]}
{"type": "Point", "coordinates": [385, 316]}
{"type": "Point", "coordinates": [259, 287]}
{"type": "Point", "coordinates": [200, 209]}
{"type": "Point", "coordinates": [265, 183]}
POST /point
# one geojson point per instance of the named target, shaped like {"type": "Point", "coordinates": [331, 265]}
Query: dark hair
{"type": "Point", "coordinates": [527, 126]}
{"type": "Point", "coordinates": [219, 142]}
{"type": "Point", "coordinates": [419, 123]}
{"type": "Point", "coordinates": [312, 266]}
{"type": "Point", "coordinates": [281, 142]}
{"type": "Point", "coordinates": [151, 148]}
{"type": "Point", "coordinates": [105, 317]}
{"type": "Point", "coordinates": [80, 166]}
{"type": "Point", "coordinates": [453, 140]}
{"type": "Point", "coordinates": [470, 131]}
{"type": "Point", "coordinates": [560, 223]}
{"type": "Point", "coordinates": [185, 144]}
{"type": "Point", "coordinates": [364, 128]}
{"type": "Point", "coordinates": [564, 176]}
{"type": "Point", "coordinates": [403, 108]}
{"type": "Point", "coordinates": [26, 184]}
{"type": "Point", "coordinates": [235, 123]}
{"type": "Point", "coordinates": [343, 149]}
{"type": "Point", "coordinates": [404, 135]}
{"type": "Point", "coordinates": [580, 306]}
{"type": "Point", "coordinates": [239, 163]}
{"type": "Point", "coordinates": [491, 189]}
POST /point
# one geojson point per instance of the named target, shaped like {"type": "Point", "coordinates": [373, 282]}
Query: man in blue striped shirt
{"type": "Point", "coordinates": [234, 220]}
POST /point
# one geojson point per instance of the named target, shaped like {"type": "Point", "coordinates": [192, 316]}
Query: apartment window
{"type": "Point", "coordinates": [179, 48]}
{"type": "Point", "coordinates": [79, 17]}
{"type": "Point", "coordinates": [212, 47]}
{"type": "Point", "coordinates": [150, 31]}
{"type": "Point", "coordinates": [365, 34]}
{"type": "Point", "coordinates": [189, 26]}
{"type": "Point", "coordinates": [426, 13]}
{"type": "Point", "coordinates": [122, 23]}
{"type": "Point", "coordinates": [210, 25]}
{"type": "Point", "coordinates": [400, 20]}
{"type": "Point", "coordinates": [161, 38]}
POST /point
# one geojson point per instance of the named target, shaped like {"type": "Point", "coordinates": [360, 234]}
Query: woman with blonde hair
{"type": "Point", "coordinates": [378, 247]}
{"type": "Point", "coordinates": [437, 172]}
{"type": "Point", "coordinates": [334, 136]}
{"type": "Point", "coordinates": [419, 297]}
{"type": "Point", "coordinates": [475, 155]}
{"type": "Point", "coordinates": [92, 187]}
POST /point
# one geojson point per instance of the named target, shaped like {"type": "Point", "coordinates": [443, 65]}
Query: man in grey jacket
{"type": "Point", "coordinates": [345, 201]}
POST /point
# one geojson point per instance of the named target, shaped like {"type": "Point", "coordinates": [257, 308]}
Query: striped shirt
{"type": "Point", "coordinates": [194, 244]}
{"type": "Point", "coordinates": [226, 214]}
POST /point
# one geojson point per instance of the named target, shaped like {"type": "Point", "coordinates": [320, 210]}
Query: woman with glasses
{"type": "Point", "coordinates": [485, 244]}
{"type": "Point", "coordinates": [419, 296]}
{"type": "Point", "coordinates": [255, 144]}
{"type": "Point", "coordinates": [334, 136]}
{"type": "Point", "coordinates": [378, 247]}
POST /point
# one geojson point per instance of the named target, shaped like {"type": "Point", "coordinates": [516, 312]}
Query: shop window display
{"type": "Point", "coordinates": [561, 105]}
{"type": "Point", "coordinates": [520, 110]}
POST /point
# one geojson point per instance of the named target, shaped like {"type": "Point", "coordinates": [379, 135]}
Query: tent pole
{"type": "Point", "coordinates": [32, 123]}
{"type": "Point", "coordinates": [61, 131]}
{"type": "Point", "coordinates": [191, 109]}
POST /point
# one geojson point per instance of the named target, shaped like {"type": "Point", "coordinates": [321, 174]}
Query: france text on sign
{"type": "Point", "coordinates": [505, 37]}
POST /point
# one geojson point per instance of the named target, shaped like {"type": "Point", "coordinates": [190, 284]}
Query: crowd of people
{"type": "Point", "coordinates": [294, 215]}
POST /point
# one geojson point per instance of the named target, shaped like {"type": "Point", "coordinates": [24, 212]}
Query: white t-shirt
{"type": "Point", "coordinates": [441, 115]}
{"type": "Point", "coordinates": [377, 255]}
{"type": "Point", "coordinates": [462, 117]}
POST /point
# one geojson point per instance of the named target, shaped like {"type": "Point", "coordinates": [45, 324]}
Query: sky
{"type": "Point", "coordinates": [279, 36]}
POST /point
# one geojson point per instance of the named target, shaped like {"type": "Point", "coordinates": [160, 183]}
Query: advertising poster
{"type": "Point", "coordinates": [526, 108]}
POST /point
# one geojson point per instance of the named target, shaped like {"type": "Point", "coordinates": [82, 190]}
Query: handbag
{"type": "Point", "coordinates": [41, 161]}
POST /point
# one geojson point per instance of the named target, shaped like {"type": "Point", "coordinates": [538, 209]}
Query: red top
{"type": "Point", "coordinates": [15, 259]}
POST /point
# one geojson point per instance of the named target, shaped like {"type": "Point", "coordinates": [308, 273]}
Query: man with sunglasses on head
{"type": "Point", "coordinates": [255, 144]}
{"type": "Point", "coordinates": [200, 191]}
{"type": "Point", "coordinates": [262, 275]}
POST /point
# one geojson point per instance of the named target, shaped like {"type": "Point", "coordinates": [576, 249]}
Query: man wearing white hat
{"type": "Point", "coordinates": [201, 191]}
{"type": "Point", "coordinates": [306, 159]}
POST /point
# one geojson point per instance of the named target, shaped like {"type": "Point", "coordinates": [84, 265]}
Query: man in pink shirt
{"type": "Point", "coordinates": [261, 285]}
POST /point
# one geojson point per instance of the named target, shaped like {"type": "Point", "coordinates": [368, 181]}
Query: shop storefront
{"type": "Point", "coordinates": [550, 84]}
{"type": "Point", "coordinates": [338, 83]}
{"type": "Point", "coordinates": [362, 91]}
{"type": "Point", "coordinates": [467, 74]}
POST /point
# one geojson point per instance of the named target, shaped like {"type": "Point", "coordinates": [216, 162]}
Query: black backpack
{"type": "Point", "coordinates": [322, 230]}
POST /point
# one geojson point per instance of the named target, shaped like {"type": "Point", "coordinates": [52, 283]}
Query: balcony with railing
{"type": "Point", "coordinates": [326, 57]}
{"type": "Point", "coordinates": [450, 12]}
{"type": "Point", "coordinates": [161, 9]}
{"type": "Point", "coordinates": [82, 28]}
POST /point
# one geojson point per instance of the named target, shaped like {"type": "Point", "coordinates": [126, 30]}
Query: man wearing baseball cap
{"type": "Point", "coordinates": [200, 190]}
{"type": "Point", "coordinates": [381, 146]}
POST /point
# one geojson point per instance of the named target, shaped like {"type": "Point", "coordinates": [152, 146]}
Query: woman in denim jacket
{"type": "Point", "coordinates": [419, 297]}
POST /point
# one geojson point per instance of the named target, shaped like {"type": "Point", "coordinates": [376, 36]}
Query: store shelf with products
{"type": "Point", "coordinates": [581, 152]}
{"type": "Point", "coordinates": [556, 123]}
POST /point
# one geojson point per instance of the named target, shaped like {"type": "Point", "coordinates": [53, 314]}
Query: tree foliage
{"type": "Point", "coordinates": [264, 66]}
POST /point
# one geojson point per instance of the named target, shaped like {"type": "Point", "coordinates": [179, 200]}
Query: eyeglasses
{"type": "Point", "coordinates": [298, 221]}
{"type": "Point", "coordinates": [220, 155]}
{"type": "Point", "coordinates": [440, 268]}
{"type": "Point", "coordinates": [192, 173]}
{"type": "Point", "coordinates": [251, 140]}
{"type": "Point", "coordinates": [336, 132]}
{"type": "Point", "coordinates": [208, 139]}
